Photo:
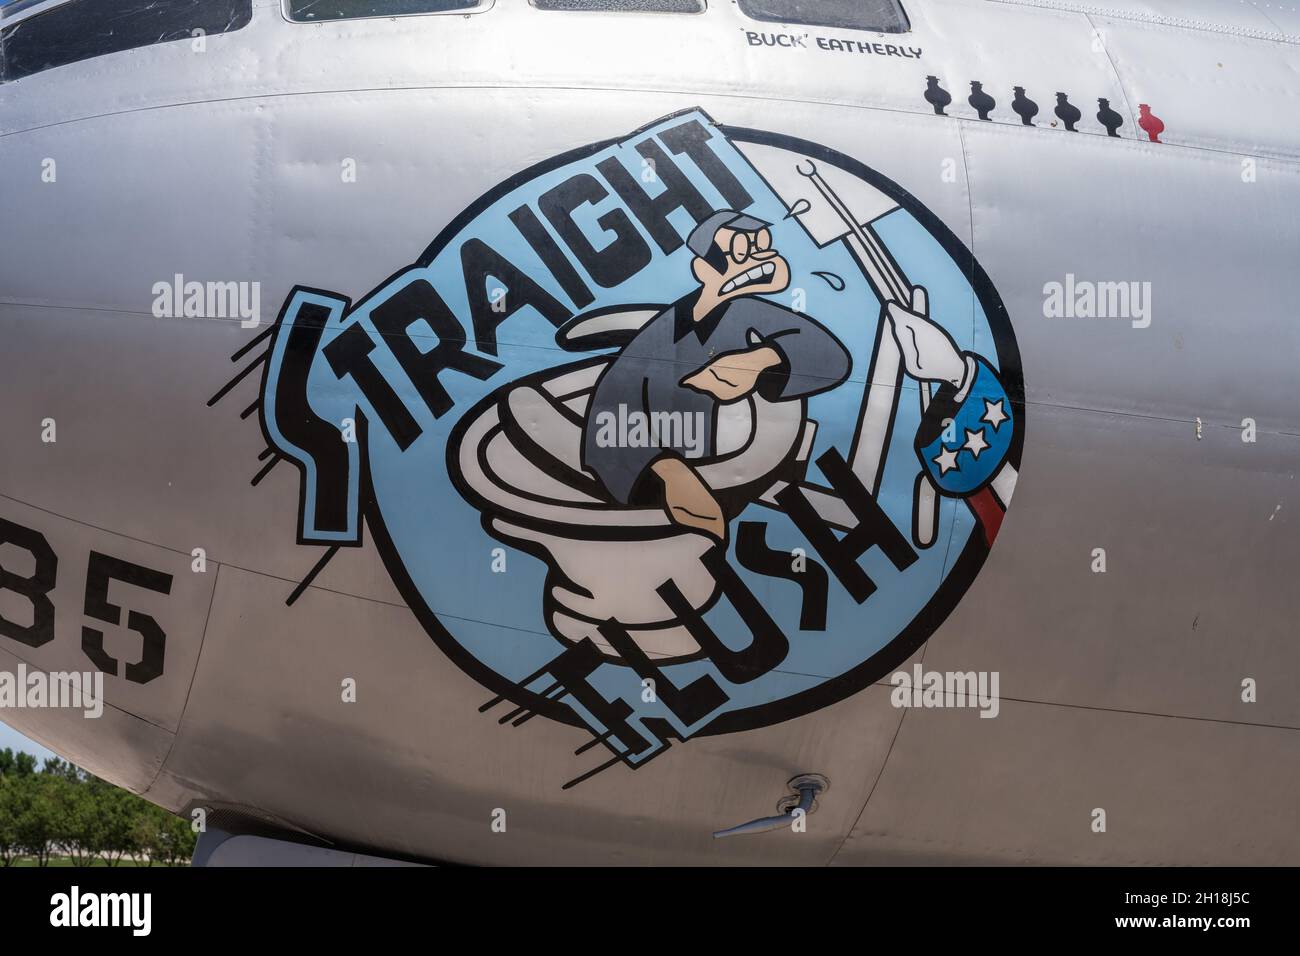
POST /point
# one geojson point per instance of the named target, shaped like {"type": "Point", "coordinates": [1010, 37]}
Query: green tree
{"type": "Point", "coordinates": [75, 815]}
{"type": "Point", "coordinates": [37, 828]}
{"type": "Point", "coordinates": [16, 764]}
{"type": "Point", "coordinates": [116, 812]}
{"type": "Point", "coordinates": [65, 810]}
{"type": "Point", "coordinates": [145, 843]}
{"type": "Point", "coordinates": [176, 838]}
{"type": "Point", "coordinates": [13, 797]}
{"type": "Point", "coordinates": [57, 767]}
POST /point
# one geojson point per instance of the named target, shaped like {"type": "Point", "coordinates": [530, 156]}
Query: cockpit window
{"type": "Point", "coordinates": [83, 29]}
{"type": "Point", "coordinates": [880, 16]}
{"type": "Point", "coordinates": [623, 6]}
{"type": "Point", "coordinates": [311, 11]}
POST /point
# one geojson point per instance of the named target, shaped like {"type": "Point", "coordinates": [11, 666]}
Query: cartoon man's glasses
{"type": "Point", "coordinates": [745, 244]}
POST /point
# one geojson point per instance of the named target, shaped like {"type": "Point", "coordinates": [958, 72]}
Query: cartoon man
{"type": "Point", "coordinates": [732, 343]}
{"type": "Point", "coordinates": [714, 346]}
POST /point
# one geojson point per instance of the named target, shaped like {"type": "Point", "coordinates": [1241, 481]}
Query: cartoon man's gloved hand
{"type": "Point", "coordinates": [733, 375]}
{"type": "Point", "coordinates": [929, 353]}
{"type": "Point", "coordinates": [966, 431]}
{"type": "Point", "coordinates": [687, 499]}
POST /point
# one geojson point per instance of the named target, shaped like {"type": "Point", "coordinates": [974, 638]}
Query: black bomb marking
{"type": "Point", "coordinates": [985, 105]}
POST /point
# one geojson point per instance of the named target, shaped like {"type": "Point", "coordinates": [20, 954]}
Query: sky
{"type": "Point", "coordinates": [9, 737]}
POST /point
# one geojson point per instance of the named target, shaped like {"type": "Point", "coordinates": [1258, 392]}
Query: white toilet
{"type": "Point", "coordinates": [520, 461]}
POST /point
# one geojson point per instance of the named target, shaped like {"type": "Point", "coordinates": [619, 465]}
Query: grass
{"type": "Point", "coordinates": [66, 861]}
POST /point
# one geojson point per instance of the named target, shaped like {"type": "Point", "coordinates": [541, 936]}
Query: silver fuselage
{"type": "Point", "coordinates": [1121, 690]}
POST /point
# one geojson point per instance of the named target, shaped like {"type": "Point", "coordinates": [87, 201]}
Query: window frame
{"type": "Point", "coordinates": [44, 13]}
{"type": "Point", "coordinates": [12, 13]}
{"type": "Point", "coordinates": [481, 7]}
{"type": "Point", "coordinates": [907, 21]}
